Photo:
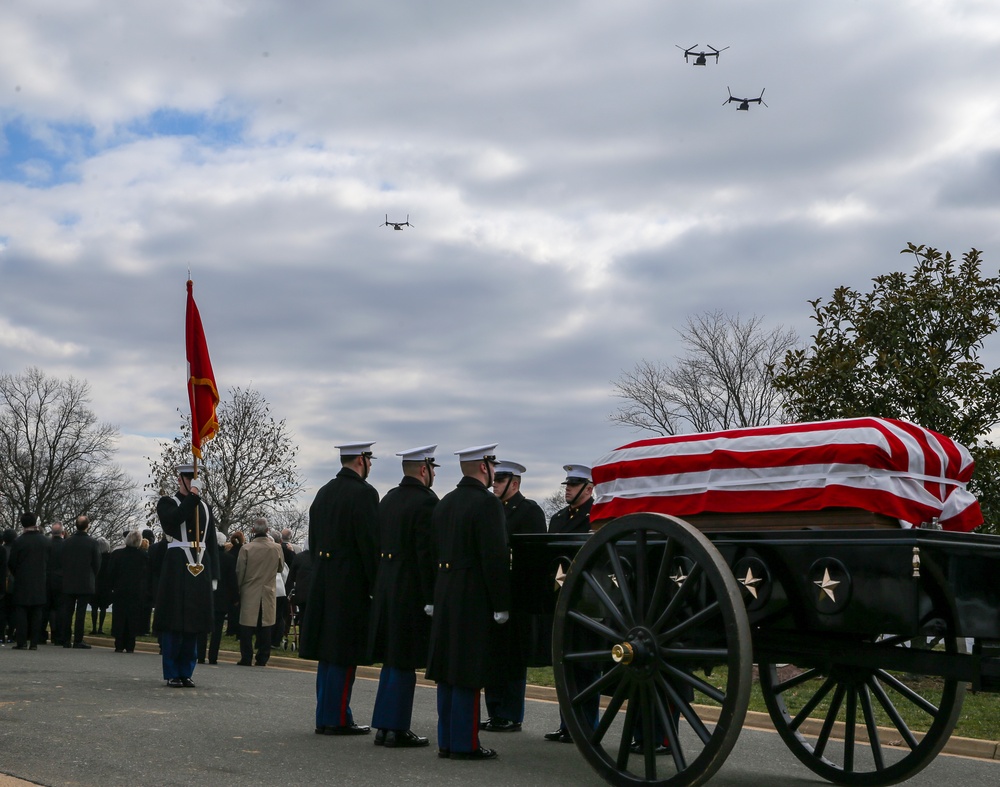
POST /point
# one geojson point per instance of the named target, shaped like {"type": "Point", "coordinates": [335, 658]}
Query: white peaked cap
{"type": "Point", "coordinates": [421, 454]}
{"type": "Point", "coordinates": [514, 468]}
{"type": "Point", "coordinates": [355, 449]}
{"type": "Point", "coordinates": [476, 453]}
{"type": "Point", "coordinates": [577, 473]}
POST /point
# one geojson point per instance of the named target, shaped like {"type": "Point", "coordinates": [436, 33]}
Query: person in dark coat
{"type": "Point", "coordinates": [299, 585]}
{"type": "Point", "coordinates": [53, 614]}
{"type": "Point", "coordinates": [575, 518]}
{"type": "Point", "coordinates": [29, 558]}
{"type": "Point", "coordinates": [400, 631]}
{"type": "Point", "coordinates": [190, 573]}
{"type": "Point", "coordinates": [227, 589]}
{"type": "Point", "coordinates": [504, 694]}
{"type": "Point", "coordinates": [102, 599]}
{"type": "Point", "coordinates": [343, 527]}
{"type": "Point", "coordinates": [471, 595]}
{"type": "Point", "coordinates": [81, 559]}
{"type": "Point", "coordinates": [236, 541]}
{"type": "Point", "coordinates": [147, 610]}
{"type": "Point", "coordinates": [128, 576]}
{"type": "Point", "coordinates": [6, 587]}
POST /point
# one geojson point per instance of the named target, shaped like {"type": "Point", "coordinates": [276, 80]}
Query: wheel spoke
{"type": "Point", "coordinates": [850, 725]}
{"type": "Point", "coordinates": [596, 626]}
{"type": "Point", "coordinates": [889, 707]}
{"type": "Point", "coordinates": [628, 731]}
{"type": "Point", "coordinates": [906, 691]}
{"type": "Point", "coordinates": [685, 589]}
{"type": "Point", "coordinates": [587, 655]}
{"type": "Point", "coordinates": [614, 705]}
{"type": "Point", "coordinates": [672, 732]}
{"type": "Point", "coordinates": [693, 654]}
{"type": "Point", "coordinates": [872, 727]}
{"type": "Point", "coordinates": [696, 683]}
{"type": "Point", "coordinates": [828, 722]}
{"type": "Point", "coordinates": [620, 581]}
{"type": "Point", "coordinates": [640, 576]}
{"type": "Point", "coordinates": [791, 683]}
{"type": "Point", "coordinates": [648, 738]}
{"type": "Point", "coordinates": [663, 580]}
{"type": "Point", "coordinates": [808, 708]}
{"type": "Point", "coordinates": [606, 602]}
{"type": "Point", "coordinates": [701, 616]}
{"type": "Point", "coordinates": [598, 685]}
{"type": "Point", "coordinates": [686, 710]}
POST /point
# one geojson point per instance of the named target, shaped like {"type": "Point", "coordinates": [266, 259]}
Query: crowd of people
{"type": "Point", "coordinates": [410, 582]}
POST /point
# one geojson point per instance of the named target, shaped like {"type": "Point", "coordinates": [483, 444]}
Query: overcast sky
{"type": "Point", "coordinates": [577, 192]}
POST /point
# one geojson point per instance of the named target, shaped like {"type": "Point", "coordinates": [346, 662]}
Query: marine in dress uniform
{"type": "Point", "coordinates": [343, 528]}
{"type": "Point", "coordinates": [400, 630]}
{"type": "Point", "coordinates": [575, 518]}
{"type": "Point", "coordinates": [504, 694]}
{"type": "Point", "coordinates": [471, 595]}
{"type": "Point", "coordinates": [188, 577]}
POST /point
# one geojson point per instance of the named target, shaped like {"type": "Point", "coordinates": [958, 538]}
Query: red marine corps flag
{"type": "Point", "coordinates": [202, 391]}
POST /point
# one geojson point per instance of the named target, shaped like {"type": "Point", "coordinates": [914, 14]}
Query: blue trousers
{"type": "Point", "coordinates": [334, 685]}
{"type": "Point", "coordinates": [458, 718]}
{"type": "Point", "coordinates": [179, 654]}
{"type": "Point", "coordinates": [506, 700]}
{"type": "Point", "coordinates": [394, 699]}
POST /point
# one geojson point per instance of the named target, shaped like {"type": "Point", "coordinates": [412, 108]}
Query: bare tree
{"type": "Point", "coordinates": [56, 459]}
{"type": "Point", "coordinates": [293, 518]}
{"type": "Point", "coordinates": [249, 466]}
{"type": "Point", "coordinates": [723, 382]}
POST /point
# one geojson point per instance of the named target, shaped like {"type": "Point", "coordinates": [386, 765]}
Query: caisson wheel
{"type": "Point", "coordinates": [651, 616]}
{"type": "Point", "coordinates": [857, 725]}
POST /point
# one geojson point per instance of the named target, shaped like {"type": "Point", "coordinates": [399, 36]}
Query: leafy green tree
{"type": "Point", "coordinates": [249, 465]}
{"type": "Point", "coordinates": [909, 348]}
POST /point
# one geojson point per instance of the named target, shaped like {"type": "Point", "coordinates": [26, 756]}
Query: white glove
{"type": "Point", "coordinates": [194, 484]}
{"type": "Point", "coordinates": [429, 609]}
{"type": "Point", "coordinates": [215, 584]}
{"type": "Point", "coordinates": [501, 617]}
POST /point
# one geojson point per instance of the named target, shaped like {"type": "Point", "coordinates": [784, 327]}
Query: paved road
{"type": "Point", "coordinates": [100, 719]}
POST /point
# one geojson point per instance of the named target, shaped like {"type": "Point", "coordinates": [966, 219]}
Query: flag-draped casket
{"type": "Point", "coordinates": [886, 466]}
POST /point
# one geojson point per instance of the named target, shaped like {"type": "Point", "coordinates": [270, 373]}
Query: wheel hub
{"type": "Point", "coordinates": [638, 650]}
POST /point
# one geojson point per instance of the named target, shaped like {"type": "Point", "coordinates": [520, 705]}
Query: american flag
{"type": "Point", "coordinates": [882, 465]}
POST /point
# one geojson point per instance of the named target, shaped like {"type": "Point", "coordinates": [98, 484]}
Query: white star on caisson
{"type": "Point", "coordinates": [679, 577]}
{"type": "Point", "coordinates": [614, 579]}
{"type": "Point", "coordinates": [560, 576]}
{"type": "Point", "coordinates": [749, 581]}
{"type": "Point", "coordinates": [826, 585]}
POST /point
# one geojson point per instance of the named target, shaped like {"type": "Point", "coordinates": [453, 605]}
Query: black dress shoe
{"type": "Point", "coordinates": [187, 683]}
{"type": "Point", "coordinates": [243, 664]}
{"type": "Point", "coordinates": [213, 661]}
{"type": "Point", "coordinates": [32, 647]}
{"type": "Point", "coordinates": [481, 753]}
{"type": "Point", "coordinates": [502, 725]}
{"type": "Point", "coordinates": [559, 736]}
{"type": "Point", "coordinates": [67, 645]}
{"type": "Point", "coordinates": [380, 737]}
{"type": "Point", "coordinates": [20, 647]}
{"type": "Point", "coordinates": [404, 739]}
{"type": "Point", "coordinates": [444, 754]}
{"type": "Point", "coordinates": [345, 729]}
{"type": "Point", "coordinates": [81, 646]}
{"type": "Point", "coordinates": [175, 683]}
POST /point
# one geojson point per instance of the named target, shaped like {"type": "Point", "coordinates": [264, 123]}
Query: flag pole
{"type": "Point", "coordinates": [197, 512]}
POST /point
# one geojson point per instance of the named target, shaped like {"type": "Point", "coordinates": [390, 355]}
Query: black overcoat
{"type": "Point", "coordinates": [572, 520]}
{"type": "Point", "coordinates": [81, 561]}
{"type": "Point", "coordinates": [103, 597]}
{"type": "Point", "coordinates": [343, 527]}
{"type": "Point", "coordinates": [473, 581]}
{"type": "Point", "coordinates": [28, 562]}
{"type": "Point", "coordinates": [404, 585]}
{"type": "Point", "coordinates": [128, 575]}
{"type": "Point", "coordinates": [183, 600]}
{"type": "Point", "coordinates": [510, 643]}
